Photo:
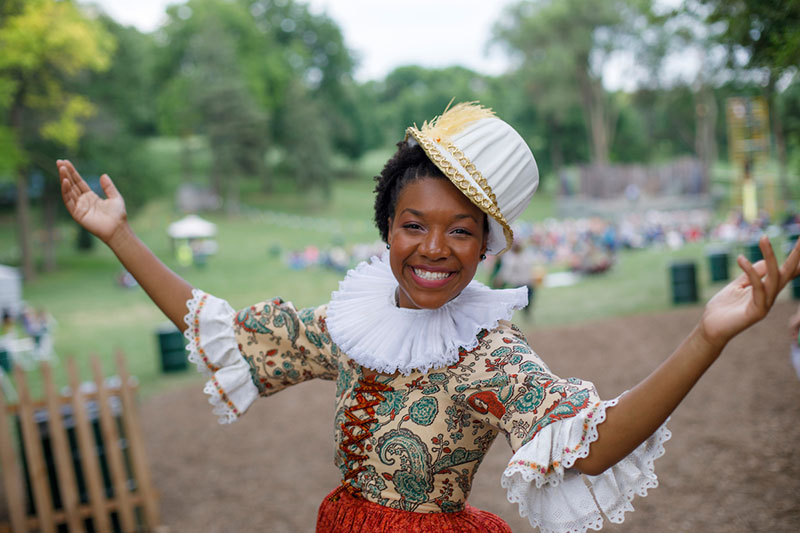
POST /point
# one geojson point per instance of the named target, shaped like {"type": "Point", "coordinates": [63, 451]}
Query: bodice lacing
{"type": "Point", "coordinates": [355, 430]}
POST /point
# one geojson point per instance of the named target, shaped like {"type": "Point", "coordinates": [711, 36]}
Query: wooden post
{"type": "Point", "coordinates": [12, 479]}
{"type": "Point", "coordinates": [67, 484]}
{"type": "Point", "coordinates": [116, 461]}
{"type": "Point", "coordinates": [138, 456]}
{"type": "Point", "coordinates": [90, 460]}
{"type": "Point", "coordinates": [37, 469]}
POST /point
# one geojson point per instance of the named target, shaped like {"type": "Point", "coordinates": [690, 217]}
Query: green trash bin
{"type": "Point", "coordinates": [41, 418]}
{"type": "Point", "coordinates": [200, 259]}
{"type": "Point", "coordinates": [753, 252]}
{"type": "Point", "coordinates": [683, 276]}
{"type": "Point", "coordinates": [718, 261]}
{"type": "Point", "coordinates": [5, 360]}
{"type": "Point", "coordinates": [172, 348]}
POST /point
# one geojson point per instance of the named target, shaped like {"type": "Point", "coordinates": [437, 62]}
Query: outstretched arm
{"type": "Point", "coordinates": [108, 220]}
{"type": "Point", "coordinates": [644, 408]}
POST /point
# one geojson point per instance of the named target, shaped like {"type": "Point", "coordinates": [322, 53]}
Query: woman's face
{"type": "Point", "coordinates": [436, 239]}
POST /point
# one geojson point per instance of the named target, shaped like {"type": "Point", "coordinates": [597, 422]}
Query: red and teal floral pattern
{"type": "Point", "coordinates": [412, 442]}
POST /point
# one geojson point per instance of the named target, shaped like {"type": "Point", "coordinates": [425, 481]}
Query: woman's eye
{"type": "Point", "coordinates": [462, 231]}
{"type": "Point", "coordinates": [412, 225]}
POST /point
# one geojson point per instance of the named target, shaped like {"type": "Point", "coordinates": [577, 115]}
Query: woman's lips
{"type": "Point", "coordinates": [430, 278]}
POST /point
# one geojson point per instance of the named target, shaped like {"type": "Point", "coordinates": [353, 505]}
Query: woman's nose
{"type": "Point", "coordinates": [434, 245]}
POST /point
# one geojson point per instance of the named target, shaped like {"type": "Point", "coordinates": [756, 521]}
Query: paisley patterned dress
{"type": "Point", "coordinates": [409, 445]}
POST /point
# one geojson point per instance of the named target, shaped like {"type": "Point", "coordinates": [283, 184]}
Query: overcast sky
{"type": "Point", "coordinates": [383, 34]}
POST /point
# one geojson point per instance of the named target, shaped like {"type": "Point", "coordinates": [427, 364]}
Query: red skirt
{"type": "Point", "coordinates": [341, 512]}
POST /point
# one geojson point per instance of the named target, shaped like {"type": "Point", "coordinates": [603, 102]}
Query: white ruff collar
{"type": "Point", "coordinates": [366, 324]}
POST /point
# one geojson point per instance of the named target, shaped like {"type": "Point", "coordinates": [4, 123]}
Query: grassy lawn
{"type": "Point", "coordinates": [97, 316]}
{"type": "Point", "coordinates": [638, 283]}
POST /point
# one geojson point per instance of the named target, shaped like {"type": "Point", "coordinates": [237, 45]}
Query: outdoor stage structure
{"type": "Point", "coordinates": [684, 183]}
{"type": "Point", "coordinates": [611, 190]}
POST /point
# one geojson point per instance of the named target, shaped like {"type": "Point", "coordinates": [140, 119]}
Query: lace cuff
{"type": "Point", "coordinates": [557, 499]}
{"type": "Point", "coordinates": [213, 348]}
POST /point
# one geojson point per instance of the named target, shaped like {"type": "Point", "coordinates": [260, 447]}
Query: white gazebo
{"type": "Point", "coordinates": [192, 239]}
{"type": "Point", "coordinates": [192, 227]}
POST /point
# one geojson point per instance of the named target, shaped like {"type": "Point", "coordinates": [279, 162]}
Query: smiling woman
{"type": "Point", "coordinates": [428, 369]}
{"type": "Point", "coordinates": [437, 238]}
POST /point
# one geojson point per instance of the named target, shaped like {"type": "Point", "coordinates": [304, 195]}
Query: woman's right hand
{"type": "Point", "coordinates": [102, 217]}
{"type": "Point", "coordinates": [106, 218]}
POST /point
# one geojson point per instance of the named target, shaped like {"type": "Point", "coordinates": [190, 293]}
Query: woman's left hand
{"type": "Point", "coordinates": [748, 298]}
{"type": "Point", "coordinates": [742, 303]}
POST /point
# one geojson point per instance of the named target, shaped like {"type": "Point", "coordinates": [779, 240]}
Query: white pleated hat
{"type": "Point", "coordinates": [487, 160]}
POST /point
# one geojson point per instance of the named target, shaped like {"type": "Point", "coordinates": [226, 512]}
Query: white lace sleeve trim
{"type": "Point", "coordinates": [557, 499]}
{"type": "Point", "coordinates": [213, 348]}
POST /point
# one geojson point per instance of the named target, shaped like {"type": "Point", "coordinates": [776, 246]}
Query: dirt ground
{"type": "Point", "coordinates": [733, 463]}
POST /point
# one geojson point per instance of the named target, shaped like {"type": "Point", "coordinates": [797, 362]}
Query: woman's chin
{"type": "Point", "coordinates": [423, 300]}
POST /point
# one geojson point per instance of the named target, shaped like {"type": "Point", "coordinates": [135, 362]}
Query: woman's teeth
{"type": "Point", "coordinates": [431, 276]}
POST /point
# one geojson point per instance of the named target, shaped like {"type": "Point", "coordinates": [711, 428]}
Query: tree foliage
{"type": "Point", "coordinates": [45, 44]}
{"type": "Point", "coordinates": [276, 52]}
{"type": "Point", "coordinates": [563, 47]}
{"type": "Point", "coordinates": [267, 85]}
{"type": "Point", "coordinates": [768, 30]}
{"type": "Point", "coordinates": [307, 140]}
{"type": "Point", "coordinates": [413, 94]}
{"type": "Point", "coordinates": [124, 116]}
{"type": "Point", "coordinates": [234, 124]}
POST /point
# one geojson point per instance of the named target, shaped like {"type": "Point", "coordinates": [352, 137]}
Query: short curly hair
{"type": "Point", "coordinates": [407, 165]}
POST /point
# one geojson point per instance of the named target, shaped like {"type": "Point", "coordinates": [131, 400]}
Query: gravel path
{"type": "Point", "coordinates": [732, 465]}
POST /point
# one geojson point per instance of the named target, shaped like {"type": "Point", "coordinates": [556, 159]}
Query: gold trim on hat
{"type": "Point", "coordinates": [487, 205]}
{"type": "Point", "coordinates": [470, 167]}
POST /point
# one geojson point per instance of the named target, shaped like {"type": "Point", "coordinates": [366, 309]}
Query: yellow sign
{"type": "Point", "coordinates": [748, 140]}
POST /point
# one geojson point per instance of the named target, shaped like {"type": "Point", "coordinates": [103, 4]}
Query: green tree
{"type": "Point", "coordinates": [412, 94]}
{"type": "Point", "coordinates": [277, 47]}
{"type": "Point", "coordinates": [234, 124]}
{"type": "Point", "coordinates": [353, 119]}
{"type": "Point", "coordinates": [124, 116]}
{"type": "Point", "coordinates": [667, 116]}
{"type": "Point", "coordinates": [566, 44]}
{"type": "Point", "coordinates": [768, 31]}
{"type": "Point", "coordinates": [550, 119]}
{"type": "Point", "coordinates": [306, 141]}
{"type": "Point", "coordinates": [790, 109]}
{"type": "Point", "coordinates": [126, 88]}
{"type": "Point", "coordinates": [44, 44]}
{"type": "Point", "coordinates": [685, 32]}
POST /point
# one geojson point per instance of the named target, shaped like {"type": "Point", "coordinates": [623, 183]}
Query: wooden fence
{"type": "Point", "coordinates": [92, 465]}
